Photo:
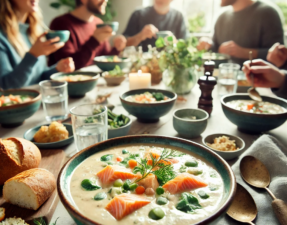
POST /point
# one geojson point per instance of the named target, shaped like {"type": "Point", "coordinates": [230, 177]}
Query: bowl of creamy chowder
{"type": "Point", "coordinates": [254, 117]}
{"type": "Point", "coordinates": [146, 180]}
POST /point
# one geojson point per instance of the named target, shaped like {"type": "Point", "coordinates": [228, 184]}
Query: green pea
{"type": "Point", "coordinates": [203, 195]}
{"type": "Point", "coordinates": [194, 171]}
{"type": "Point", "coordinates": [213, 188]}
{"type": "Point", "coordinates": [126, 185]}
{"type": "Point", "coordinates": [100, 196]}
{"type": "Point", "coordinates": [137, 155]}
{"type": "Point", "coordinates": [107, 157]}
{"type": "Point", "coordinates": [90, 185]}
{"type": "Point", "coordinates": [156, 213]}
{"type": "Point", "coordinates": [191, 163]}
{"type": "Point", "coordinates": [124, 151]}
{"type": "Point", "coordinates": [133, 187]}
{"type": "Point", "coordinates": [118, 183]}
{"type": "Point", "coordinates": [159, 190]}
{"type": "Point", "coordinates": [161, 201]}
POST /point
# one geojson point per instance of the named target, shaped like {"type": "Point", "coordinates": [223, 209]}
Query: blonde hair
{"type": "Point", "coordinates": [9, 24]}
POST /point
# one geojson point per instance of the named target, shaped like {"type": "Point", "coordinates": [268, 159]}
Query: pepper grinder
{"type": "Point", "coordinates": [206, 85]}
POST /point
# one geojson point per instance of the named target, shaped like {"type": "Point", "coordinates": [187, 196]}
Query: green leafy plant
{"type": "Point", "coordinates": [109, 16]}
{"type": "Point", "coordinates": [196, 22]}
{"type": "Point", "coordinates": [283, 6]}
{"type": "Point", "coordinates": [41, 221]}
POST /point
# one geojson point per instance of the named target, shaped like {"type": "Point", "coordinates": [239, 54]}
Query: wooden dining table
{"type": "Point", "coordinates": [217, 123]}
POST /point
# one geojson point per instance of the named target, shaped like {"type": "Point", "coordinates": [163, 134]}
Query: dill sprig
{"type": "Point", "coordinates": [164, 172]}
{"type": "Point", "coordinates": [41, 221]}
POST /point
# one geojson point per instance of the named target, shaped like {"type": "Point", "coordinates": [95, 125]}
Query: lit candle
{"type": "Point", "coordinates": [139, 80]}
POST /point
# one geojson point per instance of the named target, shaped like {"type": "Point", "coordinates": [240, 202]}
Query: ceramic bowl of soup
{"type": "Point", "coordinates": [113, 25]}
{"type": "Point", "coordinates": [218, 58]}
{"type": "Point", "coordinates": [79, 83]}
{"type": "Point", "coordinates": [64, 35]}
{"type": "Point", "coordinates": [84, 188]}
{"type": "Point", "coordinates": [17, 105]}
{"type": "Point", "coordinates": [108, 63]}
{"type": "Point", "coordinates": [142, 104]}
{"type": "Point", "coordinates": [190, 123]}
{"type": "Point", "coordinates": [251, 117]}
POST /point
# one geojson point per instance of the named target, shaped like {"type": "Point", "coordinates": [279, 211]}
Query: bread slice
{"type": "Point", "coordinates": [13, 221]}
{"type": "Point", "coordinates": [29, 189]}
{"type": "Point", "coordinates": [17, 155]}
{"type": "Point", "coordinates": [2, 213]}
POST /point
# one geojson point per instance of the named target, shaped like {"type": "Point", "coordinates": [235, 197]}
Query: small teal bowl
{"type": "Point", "coordinates": [78, 89]}
{"type": "Point", "coordinates": [113, 25]}
{"type": "Point", "coordinates": [225, 171]}
{"type": "Point", "coordinates": [252, 122]}
{"type": "Point", "coordinates": [104, 65]}
{"type": "Point", "coordinates": [15, 115]}
{"type": "Point", "coordinates": [224, 154]}
{"type": "Point", "coordinates": [64, 35]}
{"type": "Point", "coordinates": [148, 112]}
{"type": "Point", "coordinates": [187, 127]}
{"type": "Point", "coordinates": [119, 132]}
{"type": "Point", "coordinates": [29, 135]}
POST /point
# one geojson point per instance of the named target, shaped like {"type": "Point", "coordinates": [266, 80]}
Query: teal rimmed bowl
{"type": "Point", "coordinates": [252, 122]}
{"type": "Point", "coordinates": [29, 135]}
{"type": "Point", "coordinates": [77, 89]}
{"type": "Point", "coordinates": [148, 112]}
{"type": "Point", "coordinates": [106, 63]}
{"type": "Point", "coordinates": [114, 25]}
{"type": "Point", "coordinates": [119, 132]}
{"type": "Point", "coordinates": [15, 115]}
{"type": "Point", "coordinates": [63, 182]}
{"type": "Point", "coordinates": [64, 35]}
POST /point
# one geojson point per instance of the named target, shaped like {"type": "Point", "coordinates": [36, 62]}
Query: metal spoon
{"type": "Point", "coordinates": [253, 94]}
{"type": "Point", "coordinates": [256, 174]}
{"type": "Point", "coordinates": [243, 208]}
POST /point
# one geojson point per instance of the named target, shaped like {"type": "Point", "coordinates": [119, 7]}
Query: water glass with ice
{"type": "Point", "coordinates": [54, 99]}
{"type": "Point", "coordinates": [90, 124]}
{"type": "Point", "coordinates": [227, 78]}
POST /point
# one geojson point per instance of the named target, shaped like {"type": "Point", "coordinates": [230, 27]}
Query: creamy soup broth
{"type": "Point", "coordinates": [96, 211]}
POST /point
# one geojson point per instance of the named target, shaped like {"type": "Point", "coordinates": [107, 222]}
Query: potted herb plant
{"type": "Point", "coordinates": [179, 61]}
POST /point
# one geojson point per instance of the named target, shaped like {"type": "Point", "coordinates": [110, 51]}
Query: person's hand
{"type": "Point", "coordinates": [277, 55]}
{"type": "Point", "coordinates": [66, 65]}
{"type": "Point", "coordinates": [265, 74]}
{"type": "Point", "coordinates": [205, 43]}
{"type": "Point", "coordinates": [232, 49]}
{"type": "Point", "coordinates": [149, 31]}
{"type": "Point", "coordinates": [120, 42]}
{"type": "Point", "coordinates": [103, 34]}
{"type": "Point", "coordinates": [45, 47]}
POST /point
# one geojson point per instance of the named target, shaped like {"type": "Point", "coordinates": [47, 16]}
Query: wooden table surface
{"type": "Point", "coordinates": [217, 123]}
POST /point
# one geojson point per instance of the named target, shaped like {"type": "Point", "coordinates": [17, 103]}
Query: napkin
{"type": "Point", "coordinates": [274, 156]}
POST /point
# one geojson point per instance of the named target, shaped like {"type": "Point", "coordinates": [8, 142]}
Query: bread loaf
{"type": "Point", "coordinates": [29, 189]}
{"type": "Point", "coordinates": [17, 155]}
{"type": "Point", "coordinates": [13, 221]}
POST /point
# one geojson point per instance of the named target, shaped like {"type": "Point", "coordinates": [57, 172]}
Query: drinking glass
{"type": "Point", "coordinates": [227, 78]}
{"type": "Point", "coordinates": [55, 99]}
{"type": "Point", "coordinates": [90, 124]}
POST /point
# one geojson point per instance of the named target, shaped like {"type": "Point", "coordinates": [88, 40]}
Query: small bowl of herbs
{"type": "Point", "coordinates": [119, 125]}
{"type": "Point", "coordinates": [114, 77]}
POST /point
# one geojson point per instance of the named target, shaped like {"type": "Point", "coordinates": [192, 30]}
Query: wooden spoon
{"type": "Point", "coordinates": [256, 174]}
{"type": "Point", "coordinates": [253, 94]}
{"type": "Point", "coordinates": [243, 208]}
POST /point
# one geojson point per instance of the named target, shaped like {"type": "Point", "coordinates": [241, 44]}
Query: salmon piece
{"type": "Point", "coordinates": [184, 182]}
{"type": "Point", "coordinates": [112, 173]}
{"type": "Point", "coordinates": [149, 182]}
{"type": "Point", "coordinates": [125, 204]}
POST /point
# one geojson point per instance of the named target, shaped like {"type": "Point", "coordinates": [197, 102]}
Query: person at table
{"type": "Point", "coordinates": [277, 55]}
{"type": "Point", "coordinates": [248, 26]}
{"type": "Point", "coordinates": [145, 23]}
{"type": "Point", "coordinates": [86, 40]}
{"type": "Point", "coordinates": [22, 51]}
{"type": "Point", "coordinates": [268, 76]}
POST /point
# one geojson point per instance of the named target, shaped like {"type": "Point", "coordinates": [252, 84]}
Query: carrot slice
{"type": "Point", "coordinates": [132, 163]}
{"type": "Point", "coordinates": [140, 190]}
{"type": "Point", "coordinates": [250, 106]}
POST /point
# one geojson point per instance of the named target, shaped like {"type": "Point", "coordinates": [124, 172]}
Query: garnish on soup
{"type": "Point", "coordinates": [74, 78]}
{"type": "Point", "coordinates": [256, 107]}
{"type": "Point", "coordinates": [14, 99]}
{"type": "Point", "coordinates": [223, 144]}
{"type": "Point", "coordinates": [147, 97]}
{"type": "Point", "coordinates": [149, 185]}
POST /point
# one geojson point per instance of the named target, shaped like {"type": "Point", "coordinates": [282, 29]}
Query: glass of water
{"type": "Point", "coordinates": [55, 99]}
{"type": "Point", "coordinates": [90, 124]}
{"type": "Point", "coordinates": [227, 78]}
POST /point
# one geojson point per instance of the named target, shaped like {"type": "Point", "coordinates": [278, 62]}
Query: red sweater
{"type": "Point", "coordinates": [81, 46]}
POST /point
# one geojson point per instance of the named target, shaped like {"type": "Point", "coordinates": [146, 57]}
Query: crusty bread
{"type": "Point", "coordinates": [2, 214]}
{"type": "Point", "coordinates": [17, 155]}
{"type": "Point", "coordinates": [29, 189]}
{"type": "Point", "coordinates": [55, 132]}
{"type": "Point", "coordinates": [13, 221]}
